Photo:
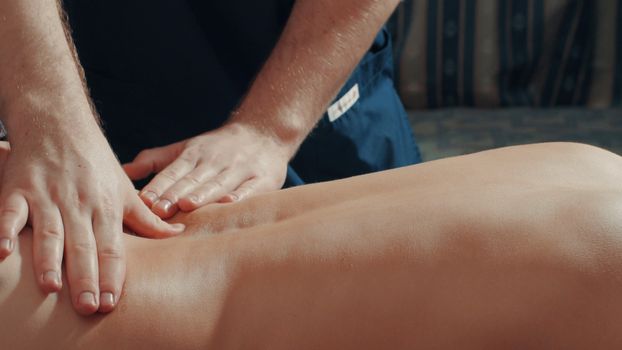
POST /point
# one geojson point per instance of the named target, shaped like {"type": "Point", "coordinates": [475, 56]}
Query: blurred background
{"type": "Point", "coordinates": [479, 74]}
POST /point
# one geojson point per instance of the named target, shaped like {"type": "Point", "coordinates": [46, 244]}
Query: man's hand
{"type": "Point", "coordinates": [75, 196]}
{"type": "Point", "coordinates": [289, 95]}
{"type": "Point", "coordinates": [227, 164]}
{"type": "Point", "coordinates": [61, 175]}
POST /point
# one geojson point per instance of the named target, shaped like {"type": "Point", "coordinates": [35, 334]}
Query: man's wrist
{"type": "Point", "coordinates": [285, 122]}
{"type": "Point", "coordinates": [288, 146]}
{"type": "Point", "coordinates": [38, 115]}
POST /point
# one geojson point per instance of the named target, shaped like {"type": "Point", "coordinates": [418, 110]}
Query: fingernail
{"type": "Point", "coordinates": [165, 205]}
{"type": "Point", "coordinates": [51, 277]}
{"type": "Point", "coordinates": [87, 298]}
{"type": "Point", "coordinates": [150, 196]}
{"type": "Point", "coordinates": [179, 227]}
{"type": "Point", "coordinates": [6, 245]}
{"type": "Point", "coordinates": [106, 299]}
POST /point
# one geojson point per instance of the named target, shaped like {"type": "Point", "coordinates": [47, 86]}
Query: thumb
{"type": "Point", "coordinates": [145, 223]}
{"type": "Point", "coordinates": [152, 160]}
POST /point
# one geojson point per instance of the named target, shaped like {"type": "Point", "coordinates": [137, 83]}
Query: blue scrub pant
{"type": "Point", "coordinates": [373, 135]}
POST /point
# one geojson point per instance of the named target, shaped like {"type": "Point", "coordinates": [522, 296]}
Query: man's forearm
{"type": "Point", "coordinates": [320, 46]}
{"type": "Point", "coordinates": [40, 82]}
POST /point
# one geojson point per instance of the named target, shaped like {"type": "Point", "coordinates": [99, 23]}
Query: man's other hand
{"type": "Point", "coordinates": [74, 194]}
{"type": "Point", "coordinates": [226, 165]}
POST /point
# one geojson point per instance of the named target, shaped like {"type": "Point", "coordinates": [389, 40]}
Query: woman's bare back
{"type": "Point", "coordinates": [515, 247]}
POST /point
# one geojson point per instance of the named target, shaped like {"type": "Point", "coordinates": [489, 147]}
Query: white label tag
{"type": "Point", "coordinates": [344, 104]}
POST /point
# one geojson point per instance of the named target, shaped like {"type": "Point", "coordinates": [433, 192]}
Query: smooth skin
{"type": "Point", "coordinates": [64, 179]}
{"type": "Point", "coordinates": [515, 248]}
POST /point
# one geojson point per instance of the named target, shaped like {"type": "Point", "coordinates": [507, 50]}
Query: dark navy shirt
{"type": "Point", "coordinates": [163, 71]}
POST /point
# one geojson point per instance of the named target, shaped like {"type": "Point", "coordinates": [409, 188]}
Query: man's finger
{"type": "Point", "coordinates": [145, 223]}
{"type": "Point", "coordinates": [152, 160]}
{"type": "Point", "coordinates": [165, 179]}
{"type": "Point", "coordinates": [112, 261]}
{"type": "Point", "coordinates": [145, 163]}
{"type": "Point", "coordinates": [81, 261]}
{"type": "Point", "coordinates": [167, 205]}
{"type": "Point", "coordinates": [212, 190]}
{"type": "Point", "coordinates": [47, 248]}
{"type": "Point", "coordinates": [245, 190]}
{"type": "Point", "coordinates": [13, 218]}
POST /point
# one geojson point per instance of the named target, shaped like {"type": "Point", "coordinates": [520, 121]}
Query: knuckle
{"type": "Point", "coordinates": [193, 179]}
{"type": "Point", "coordinates": [109, 211]}
{"type": "Point", "coordinates": [83, 248]}
{"type": "Point", "coordinates": [170, 174]}
{"type": "Point", "coordinates": [106, 198]}
{"type": "Point", "coordinates": [83, 209]}
{"type": "Point", "coordinates": [210, 159]}
{"type": "Point", "coordinates": [216, 184]}
{"type": "Point", "coordinates": [111, 214]}
{"type": "Point", "coordinates": [58, 193]}
{"type": "Point", "coordinates": [111, 253]}
{"type": "Point", "coordinates": [51, 234]}
{"type": "Point", "coordinates": [189, 155]}
{"type": "Point", "coordinates": [9, 211]}
{"type": "Point", "coordinates": [85, 197]}
{"type": "Point", "coordinates": [72, 200]}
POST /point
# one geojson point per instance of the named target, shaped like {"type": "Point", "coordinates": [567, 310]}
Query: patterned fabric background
{"type": "Point", "coordinates": [492, 53]}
